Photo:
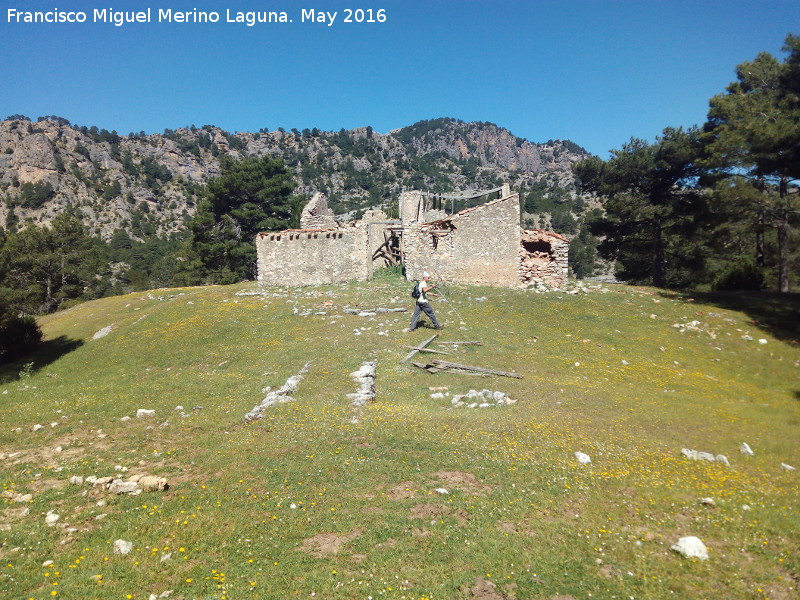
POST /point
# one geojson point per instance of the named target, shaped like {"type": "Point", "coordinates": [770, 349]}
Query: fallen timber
{"type": "Point", "coordinates": [460, 343]}
{"type": "Point", "coordinates": [427, 350]}
{"type": "Point", "coordinates": [419, 347]}
{"type": "Point", "coordinates": [437, 366]}
{"type": "Point", "coordinates": [434, 369]}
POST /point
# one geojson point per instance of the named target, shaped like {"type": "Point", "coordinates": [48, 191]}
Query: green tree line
{"type": "Point", "coordinates": [49, 267]}
{"type": "Point", "coordinates": [711, 206]}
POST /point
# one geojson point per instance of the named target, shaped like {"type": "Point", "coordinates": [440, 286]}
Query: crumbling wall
{"type": "Point", "coordinates": [543, 258]}
{"type": "Point", "coordinates": [313, 256]}
{"type": "Point", "coordinates": [480, 245]}
{"type": "Point", "coordinates": [317, 215]}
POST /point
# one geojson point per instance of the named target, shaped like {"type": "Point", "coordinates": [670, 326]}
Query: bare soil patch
{"type": "Point", "coordinates": [402, 491]}
{"type": "Point", "coordinates": [466, 482]}
{"type": "Point", "coordinates": [483, 589]}
{"type": "Point", "coordinates": [328, 544]}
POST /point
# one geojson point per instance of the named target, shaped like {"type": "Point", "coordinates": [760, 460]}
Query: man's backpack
{"type": "Point", "coordinates": [415, 293]}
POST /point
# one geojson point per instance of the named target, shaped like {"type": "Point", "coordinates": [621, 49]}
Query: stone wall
{"type": "Point", "coordinates": [317, 215]}
{"type": "Point", "coordinates": [480, 245]}
{"type": "Point", "coordinates": [543, 258]}
{"type": "Point", "coordinates": [313, 256]}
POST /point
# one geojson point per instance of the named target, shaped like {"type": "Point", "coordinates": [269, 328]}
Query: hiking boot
{"type": "Point", "coordinates": [439, 327]}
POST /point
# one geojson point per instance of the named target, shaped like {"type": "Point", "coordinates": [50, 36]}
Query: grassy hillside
{"type": "Point", "coordinates": [328, 500]}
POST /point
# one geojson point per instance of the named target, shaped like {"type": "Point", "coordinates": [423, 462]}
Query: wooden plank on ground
{"type": "Point", "coordinates": [428, 350]}
{"type": "Point", "coordinates": [426, 367]}
{"type": "Point", "coordinates": [445, 364]}
{"type": "Point", "coordinates": [419, 347]}
{"type": "Point", "coordinates": [460, 343]}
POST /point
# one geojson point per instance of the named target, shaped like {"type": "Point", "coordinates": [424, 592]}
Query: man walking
{"type": "Point", "coordinates": [423, 305]}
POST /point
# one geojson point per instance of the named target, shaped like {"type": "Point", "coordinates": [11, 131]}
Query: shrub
{"type": "Point", "coordinates": [739, 276]}
{"type": "Point", "coordinates": [18, 336]}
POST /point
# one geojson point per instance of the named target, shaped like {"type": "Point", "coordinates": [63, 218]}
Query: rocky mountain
{"type": "Point", "coordinates": [149, 184]}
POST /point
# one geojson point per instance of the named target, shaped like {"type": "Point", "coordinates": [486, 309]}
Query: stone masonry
{"type": "Point", "coordinates": [483, 245]}
{"type": "Point", "coordinates": [313, 256]}
{"type": "Point", "coordinates": [543, 258]}
{"type": "Point", "coordinates": [478, 245]}
{"type": "Point", "coordinates": [317, 215]}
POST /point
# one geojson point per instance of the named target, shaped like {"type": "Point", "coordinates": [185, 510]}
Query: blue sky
{"type": "Point", "coordinates": [596, 72]}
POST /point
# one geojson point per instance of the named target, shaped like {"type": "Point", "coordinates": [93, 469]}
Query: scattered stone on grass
{"type": "Point", "coordinates": [708, 456]}
{"type": "Point", "coordinates": [134, 485]}
{"type": "Point", "coordinates": [365, 378]}
{"type": "Point", "coordinates": [746, 450]}
{"type": "Point", "coordinates": [144, 413]}
{"type": "Point", "coordinates": [584, 459]}
{"type": "Point", "coordinates": [691, 547]}
{"type": "Point", "coordinates": [695, 326]}
{"type": "Point", "coordinates": [483, 399]}
{"type": "Point", "coordinates": [103, 332]}
{"type": "Point", "coordinates": [279, 396]}
{"type": "Point", "coordinates": [708, 502]}
{"type": "Point", "coordinates": [786, 467]}
{"type": "Point", "coordinates": [16, 497]}
{"type": "Point", "coordinates": [122, 547]}
{"type": "Point", "coordinates": [51, 518]}
{"type": "Point", "coordinates": [118, 486]}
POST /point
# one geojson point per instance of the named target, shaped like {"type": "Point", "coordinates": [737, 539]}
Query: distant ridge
{"type": "Point", "coordinates": [148, 184]}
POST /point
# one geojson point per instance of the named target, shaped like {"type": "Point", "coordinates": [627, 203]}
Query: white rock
{"type": "Point", "coordinates": [179, 408]}
{"type": "Point", "coordinates": [746, 507]}
{"type": "Point", "coordinates": [695, 455]}
{"type": "Point", "coordinates": [150, 483]}
{"type": "Point", "coordinates": [708, 502]}
{"type": "Point", "coordinates": [143, 412]}
{"type": "Point", "coordinates": [122, 547]}
{"type": "Point", "coordinates": [48, 563]}
{"type": "Point", "coordinates": [691, 547]}
{"type": "Point", "coordinates": [37, 427]}
{"type": "Point", "coordinates": [103, 332]}
{"type": "Point", "coordinates": [123, 487]}
{"type": "Point", "coordinates": [583, 458]}
{"type": "Point", "coordinates": [76, 480]}
{"type": "Point", "coordinates": [125, 419]}
{"type": "Point", "coordinates": [786, 467]}
{"type": "Point", "coordinates": [52, 518]}
{"type": "Point", "coordinates": [437, 396]}
{"type": "Point", "coordinates": [745, 449]}
{"type": "Point", "coordinates": [723, 459]}
{"type": "Point", "coordinates": [762, 341]}
{"type": "Point", "coordinates": [442, 491]}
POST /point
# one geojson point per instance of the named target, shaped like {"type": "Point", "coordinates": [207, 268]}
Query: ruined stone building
{"type": "Point", "coordinates": [482, 245]}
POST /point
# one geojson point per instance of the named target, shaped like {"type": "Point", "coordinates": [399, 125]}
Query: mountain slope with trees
{"type": "Point", "coordinates": [150, 184]}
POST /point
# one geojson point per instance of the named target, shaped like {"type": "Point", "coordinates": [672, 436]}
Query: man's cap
{"type": "Point", "coordinates": [425, 274]}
